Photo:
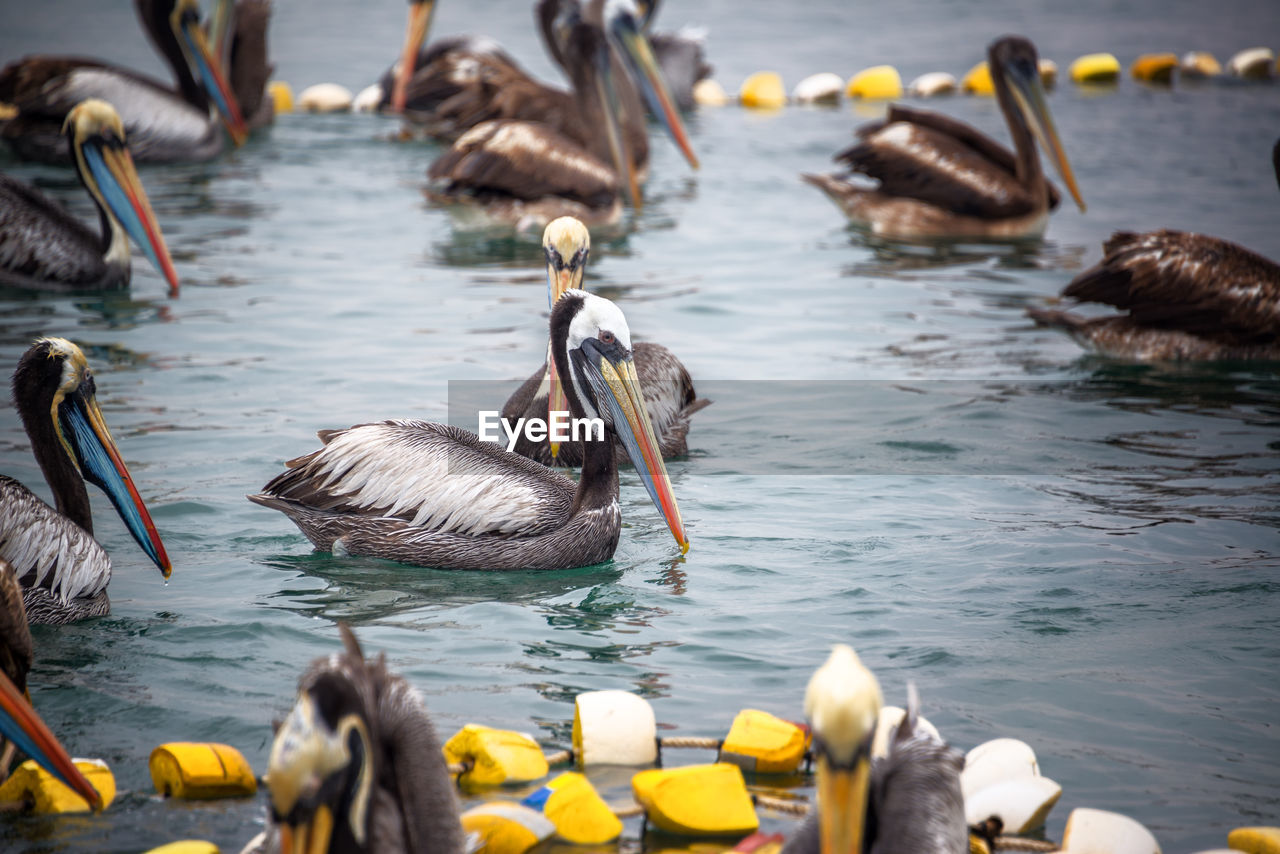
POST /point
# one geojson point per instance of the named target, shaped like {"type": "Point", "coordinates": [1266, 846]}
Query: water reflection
{"type": "Point", "coordinates": [891, 257]}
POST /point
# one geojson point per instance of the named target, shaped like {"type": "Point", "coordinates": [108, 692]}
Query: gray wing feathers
{"type": "Point", "coordinates": [41, 242]}
{"type": "Point", "coordinates": [48, 550]}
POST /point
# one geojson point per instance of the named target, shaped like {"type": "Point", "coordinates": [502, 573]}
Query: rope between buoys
{"type": "Point", "coordinates": [690, 741]}
{"type": "Point", "coordinates": [783, 805]}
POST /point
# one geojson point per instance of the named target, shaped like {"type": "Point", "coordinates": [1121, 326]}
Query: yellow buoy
{"type": "Point", "coordinates": [579, 813]}
{"type": "Point", "coordinates": [496, 756]}
{"type": "Point", "coordinates": [880, 82]}
{"type": "Point", "coordinates": [1048, 73]}
{"type": "Point", "coordinates": [45, 793]}
{"type": "Point", "coordinates": [325, 98]}
{"type": "Point", "coordinates": [197, 771]}
{"type": "Point", "coordinates": [1252, 64]}
{"type": "Point", "coordinates": [187, 846]}
{"type": "Point", "coordinates": [1198, 64]}
{"type": "Point", "coordinates": [1154, 68]}
{"type": "Point", "coordinates": [1095, 68]}
{"type": "Point", "coordinates": [1255, 840]}
{"type": "Point", "coordinates": [759, 742]}
{"type": "Point", "coordinates": [507, 828]}
{"type": "Point", "coordinates": [932, 84]}
{"type": "Point", "coordinates": [977, 81]}
{"type": "Point", "coordinates": [709, 93]}
{"type": "Point", "coordinates": [281, 96]}
{"type": "Point", "coordinates": [696, 800]}
{"type": "Point", "coordinates": [763, 90]}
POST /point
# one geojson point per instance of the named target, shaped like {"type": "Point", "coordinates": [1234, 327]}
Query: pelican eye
{"type": "Point", "coordinates": [579, 258]}
{"type": "Point", "coordinates": [553, 257]}
{"type": "Point", "coordinates": [606, 337]}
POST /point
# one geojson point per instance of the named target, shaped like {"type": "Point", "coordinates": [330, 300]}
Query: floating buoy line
{"type": "Point", "coordinates": [1007, 799]}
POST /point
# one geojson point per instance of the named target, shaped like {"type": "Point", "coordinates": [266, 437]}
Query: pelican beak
{"type": "Point", "coordinates": [220, 27]}
{"type": "Point", "coordinates": [309, 837]}
{"type": "Point", "coordinates": [561, 276]}
{"type": "Point", "coordinates": [21, 725]}
{"type": "Point", "coordinates": [1028, 94]}
{"type": "Point", "coordinates": [618, 149]}
{"type": "Point", "coordinates": [842, 804]}
{"type": "Point", "coordinates": [616, 384]}
{"type": "Point", "coordinates": [415, 33]}
{"type": "Point", "coordinates": [85, 436]}
{"type": "Point", "coordinates": [111, 165]}
{"type": "Point", "coordinates": [213, 78]}
{"type": "Point", "coordinates": [638, 55]}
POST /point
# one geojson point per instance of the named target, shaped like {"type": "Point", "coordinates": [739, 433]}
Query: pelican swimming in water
{"type": "Point", "coordinates": [909, 800]}
{"type": "Point", "coordinates": [164, 124]}
{"type": "Point", "coordinates": [43, 246]}
{"type": "Point", "coordinates": [669, 397]}
{"type": "Point", "coordinates": [63, 570]}
{"type": "Point", "coordinates": [238, 36]}
{"type": "Point", "coordinates": [527, 173]}
{"type": "Point", "coordinates": [357, 766]}
{"type": "Point", "coordinates": [940, 178]}
{"type": "Point", "coordinates": [434, 495]}
{"type": "Point", "coordinates": [20, 726]}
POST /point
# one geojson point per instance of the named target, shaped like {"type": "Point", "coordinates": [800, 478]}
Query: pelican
{"type": "Point", "coordinates": [669, 398]}
{"type": "Point", "coordinates": [529, 172]}
{"type": "Point", "coordinates": [910, 800]}
{"type": "Point", "coordinates": [164, 124]}
{"type": "Point", "coordinates": [64, 571]}
{"type": "Point", "coordinates": [20, 726]}
{"type": "Point", "coordinates": [942, 178]}
{"type": "Point", "coordinates": [357, 766]}
{"type": "Point", "coordinates": [43, 246]}
{"type": "Point", "coordinates": [434, 495]}
{"type": "Point", "coordinates": [238, 33]}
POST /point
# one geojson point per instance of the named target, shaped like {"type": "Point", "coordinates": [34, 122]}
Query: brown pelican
{"type": "Point", "coordinates": [238, 33]}
{"type": "Point", "coordinates": [434, 495]}
{"type": "Point", "coordinates": [20, 726]}
{"type": "Point", "coordinates": [910, 800]}
{"type": "Point", "coordinates": [669, 398]}
{"type": "Point", "coordinates": [64, 571]}
{"type": "Point", "coordinates": [680, 55]}
{"type": "Point", "coordinates": [357, 766]}
{"type": "Point", "coordinates": [43, 246]}
{"type": "Point", "coordinates": [942, 178]}
{"type": "Point", "coordinates": [164, 124]}
{"type": "Point", "coordinates": [529, 172]}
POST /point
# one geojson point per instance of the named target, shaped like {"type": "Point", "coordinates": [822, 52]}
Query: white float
{"type": "Point", "coordinates": [614, 728]}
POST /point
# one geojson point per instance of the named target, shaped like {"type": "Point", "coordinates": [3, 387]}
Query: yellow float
{"type": "Point", "coordinates": [281, 96]}
{"type": "Point", "coordinates": [579, 813]}
{"type": "Point", "coordinates": [1154, 68]}
{"type": "Point", "coordinates": [201, 771]}
{"type": "Point", "coordinates": [696, 800]}
{"type": "Point", "coordinates": [44, 793]}
{"type": "Point", "coordinates": [495, 756]}
{"type": "Point", "coordinates": [1255, 840]}
{"type": "Point", "coordinates": [764, 744]}
{"type": "Point", "coordinates": [1095, 69]}
{"type": "Point", "coordinates": [763, 90]}
{"type": "Point", "coordinates": [878, 83]}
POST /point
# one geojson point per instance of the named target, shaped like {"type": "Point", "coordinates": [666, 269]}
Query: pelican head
{"type": "Point", "coordinates": [415, 33]}
{"type": "Point", "coordinates": [843, 705]}
{"type": "Point", "coordinates": [321, 772]}
{"type": "Point", "coordinates": [185, 22]}
{"type": "Point", "coordinates": [1015, 73]}
{"type": "Point", "coordinates": [566, 243]}
{"type": "Point", "coordinates": [95, 135]}
{"type": "Point", "coordinates": [19, 722]}
{"type": "Point", "coordinates": [53, 385]}
{"type": "Point", "coordinates": [592, 346]}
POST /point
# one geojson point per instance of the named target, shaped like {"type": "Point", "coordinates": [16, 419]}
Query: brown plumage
{"type": "Point", "coordinates": [15, 635]}
{"type": "Point", "coordinates": [1187, 297]}
{"type": "Point", "coordinates": [939, 177]}
{"type": "Point", "coordinates": [360, 746]}
{"type": "Point", "coordinates": [249, 68]}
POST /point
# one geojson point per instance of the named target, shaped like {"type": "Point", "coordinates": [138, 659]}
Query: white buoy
{"type": "Point", "coordinates": [614, 728]}
{"type": "Point", "coordinates": [931, 84]}
{"type": "Point", "coordinates": [997, 761]}
{"type": "Point", "coordinates": [325, 98]}
{"type": "Point", "coordinates": [1252, 64]}
{"type": "Point", "coordinates": [890, 717]}
{"type": "Point", "coordinates": [367, 100]}
{"type": "Point", "coordinates": [708, 93]}
{"type": "Point", "coordinates": [1022, 805]}
{"type": "Point", "coordinates": [823, 88]}
{"type": "Point", "coordinates": [1091, 831]}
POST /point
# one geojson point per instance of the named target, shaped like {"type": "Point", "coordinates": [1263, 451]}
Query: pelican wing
{"type": "Point", "coordinates": [40, 242]}
{"type": "Point", "coordinates": [15, 635]}
{"type": "Point", "coordinates": [924, 162]}
{"type": "Point", "coordinates": [48, 550]}
{"type": "Point", "coordinates": [432, 477]}
{"type": "Point", "coordinates": [528, 160]}
{"type": "Point", "coordinates": [249, 69]}
{"type": "Point", "coordinates": [916, 802]}
{"type": "Point", "coordinates": [1191, 282]}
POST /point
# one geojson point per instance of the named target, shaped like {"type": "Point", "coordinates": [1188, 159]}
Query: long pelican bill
{"type": "Point", "coordinates": [111, 166]}
{"type": "Point", "coordinates": [638, 54]}
{"type": "Point", "coordinates": [309, 837]}
{"type": "Point", "coordinates": [1028, 93]}
{"type": "Point", "coordinates": [567, 245]}
{"type": "Point", "coordinates": [84, 433]}
{"type": "Point", "coordinates": [621, 393]}
{"type": "Point", "coordinates": [842, 805]}
{"type": "Point", "coordinates": [21, 725]}
{"type": "Point", "coordinates": [415, 33]}
{"type": "Point", "coordinates": [618, 150]}
{"type": "Point", "coordinates": [211, 72]}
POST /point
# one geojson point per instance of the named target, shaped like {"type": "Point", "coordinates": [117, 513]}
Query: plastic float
{"type": "Point", "coordinates": [932, 84]}
{"type": "Point", "coordinates": [1154, 68]}
{"type": "Point", "coordinates": [614, 727]}
{"type": "Point", "coordinates": [578, 812]}
{"type": "Point", "coordinates": [822, 88]}
{"type": "Point", "coordinates": [201, 771]}
{"type": "Point", "coordinates": [491, 757]}
{"type": "Point", "coordinates": [697, 800]}
{"type": "Point", "coordinates": [1048, 73]}
{"type": "Point", "coordinates": [763, 90]}
{"type": "Point", "coordinates": [281, 96]}
{"type": "Point", "coordinates": [1199, 64]}
{"type": "Point", "coordinates": [1255, 840]}
{"type": "Point", "coordinates": [186, 846]}
{"type": "Point", "coordinates": [367, 99]}
{"type": "Point", "coordinates": [325, 98]}
{"type": "Point", "coordinates": [977, 80]}
{"type": "Point", "coordinates": [709, 93]}
{"type": "Point", "coordinates": [1253, 63]}
{"type": "Point", "coordinates": [880, 82]}
{"type": "Point", "coordinates": [1001, 779]}
{"type": "Point", "coordinates": [43, 793]}
{"type": "Point", "coordinates": [764, 744]}
{"type": "Point", "coordinates": [890, 717]}
{"type": "Point", "coordinates": [1095, 69]}
{"type": "Point", "coordinates": [1091, 831]}
{"type": "Point", "coordinates": [507, 828]}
